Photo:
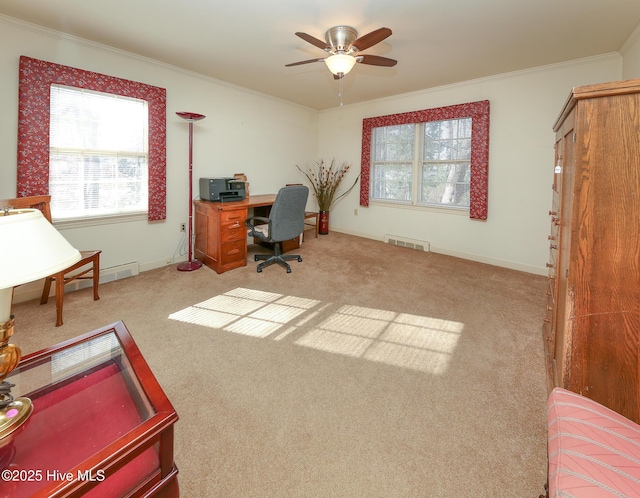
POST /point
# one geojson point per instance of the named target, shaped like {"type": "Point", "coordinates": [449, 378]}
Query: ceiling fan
{"type": "Point", "coordinates": [343, 45]}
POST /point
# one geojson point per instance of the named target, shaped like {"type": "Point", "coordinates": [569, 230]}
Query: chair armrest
{"type": "Point", "coordinates": [256, 218]}
{"type": "Point", "coordinates": [256, 232]}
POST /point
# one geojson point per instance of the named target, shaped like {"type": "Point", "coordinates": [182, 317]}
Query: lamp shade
{"type": "Point", "coordinates": [340, 63]}
{"type": "Point", "coordinates": [31, 248]}
{"type": "Point", "coordinates": [191, 116]}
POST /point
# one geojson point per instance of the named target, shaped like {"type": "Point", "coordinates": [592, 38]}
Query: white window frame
{"type": "Point", "coordinates": [104, 215]}
{"type": "Point", "coordinates": [417, 162]}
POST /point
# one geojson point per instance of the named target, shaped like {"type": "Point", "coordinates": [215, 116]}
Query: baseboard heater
{"type": "Point", "coordinates": [419, 245]}
{"type": "Point", "coordinates": [33, 290]}
{"type": "Point", "coordinates": [107, 275]}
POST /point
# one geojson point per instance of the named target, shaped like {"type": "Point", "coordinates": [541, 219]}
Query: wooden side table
{"type": "Point", "coordinates": [101, 424]}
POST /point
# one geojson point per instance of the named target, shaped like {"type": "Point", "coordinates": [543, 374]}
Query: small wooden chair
{"type": "Point", "coordinates": [312, 226]}
{"type": "Point", "coordinates": [42, 202]}
{"type": "Point", "coordinates": [308, 215]}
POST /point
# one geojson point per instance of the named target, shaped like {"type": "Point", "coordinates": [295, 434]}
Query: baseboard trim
{"type": "Point", "coordinates": [492, 261]}
{"type": "Point", "coordinates": [512, 265]}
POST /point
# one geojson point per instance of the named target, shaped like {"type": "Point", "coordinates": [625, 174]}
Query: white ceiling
{"type": "Point", "coordinates": [248, 42]}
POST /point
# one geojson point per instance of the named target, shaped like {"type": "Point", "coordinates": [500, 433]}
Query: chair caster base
{"type": "Point", "coordinates": [280, 259]}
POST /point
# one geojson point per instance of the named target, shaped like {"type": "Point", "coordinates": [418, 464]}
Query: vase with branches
{"type": "Point", "coordinates": [325, 181]}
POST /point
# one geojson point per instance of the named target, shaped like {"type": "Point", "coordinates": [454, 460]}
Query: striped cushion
{"type": "Point", "coordinates": [593, 451]}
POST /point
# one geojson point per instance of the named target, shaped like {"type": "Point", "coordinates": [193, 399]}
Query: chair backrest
{"type": "Point", "coordinates": [286, 218]}
{"type": "Point", "coordinates": [41, 202]}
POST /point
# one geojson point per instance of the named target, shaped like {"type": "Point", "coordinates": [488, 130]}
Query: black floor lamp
{"type": "Point", "coordinates": [191, 264]}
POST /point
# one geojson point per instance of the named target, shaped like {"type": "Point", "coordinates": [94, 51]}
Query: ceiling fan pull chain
{"type": "Point", "coordinates": [340, 90]}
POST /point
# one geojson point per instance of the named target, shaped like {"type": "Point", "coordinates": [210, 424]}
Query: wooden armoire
{"type": "Point", "coordinates": [592, 326]}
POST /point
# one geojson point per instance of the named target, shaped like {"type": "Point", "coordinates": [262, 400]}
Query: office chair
{"type": "Point", "coordinates": [286, 221]}
{"type": "Point", "coordinates": [42, 202]}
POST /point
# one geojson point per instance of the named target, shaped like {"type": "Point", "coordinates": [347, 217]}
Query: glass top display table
{"type": "Point", "coordinates": [101, 424]}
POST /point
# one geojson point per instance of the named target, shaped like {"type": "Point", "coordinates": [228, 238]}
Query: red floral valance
{"type": "Point", "coordinates": [479, 114]}
{"type": "Point", "coordinates": [36, 78]}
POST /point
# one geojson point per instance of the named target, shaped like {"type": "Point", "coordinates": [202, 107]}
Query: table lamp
{"type": "Point", "coordinates": [31, 249]}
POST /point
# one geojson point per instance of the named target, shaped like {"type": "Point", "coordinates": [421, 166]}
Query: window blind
{"type": "Point", "coordinates": [98, 153]}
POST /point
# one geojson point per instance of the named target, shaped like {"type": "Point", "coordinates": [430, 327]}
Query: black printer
{"type": "Point", "coordinates": [221, 189]}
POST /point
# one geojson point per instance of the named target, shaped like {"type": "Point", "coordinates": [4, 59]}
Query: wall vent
{"type": "Point", "coordinates": [107, 275]}
{"type": "Point", "coordinates": [119, 272]}
{"type": "Point", "coordinates": [33, 290]}
{"type": "Point", "coordinates": [419, 245]}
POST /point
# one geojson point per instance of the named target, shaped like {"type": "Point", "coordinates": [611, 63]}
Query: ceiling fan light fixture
{"type": "Point", "coordinates": [340, 63]}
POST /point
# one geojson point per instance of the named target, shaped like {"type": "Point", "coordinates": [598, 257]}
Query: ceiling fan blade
{"type": "Point", "coordinates": [369, 40]}
{"type": "Point", "coordinates": [312, 40]}
{"type": "Point", "coordinates": [304, 62]}
{"type": "Point", "coordinates": [376, 60]}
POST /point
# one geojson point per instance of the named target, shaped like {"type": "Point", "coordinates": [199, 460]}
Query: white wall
{"type": "Point", "coordinates": [631, 56]}
{"type": "Point", "coordinates": [244, 132]}
{"type": "Point", "coordinates": [524, 106]}
{"type": "Point", "coordinates": [265, 138]}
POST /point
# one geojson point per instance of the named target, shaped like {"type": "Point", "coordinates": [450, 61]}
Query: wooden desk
{"type": "Point", "coordinates": [221, 234]}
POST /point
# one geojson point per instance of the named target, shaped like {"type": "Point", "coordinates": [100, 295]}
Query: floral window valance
{"type": "Point", "coordinates": [36, 77]}
{"type": "Point", "coordinates": [478, 111]}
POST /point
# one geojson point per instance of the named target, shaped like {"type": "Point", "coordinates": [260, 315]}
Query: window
{"type": "Point", "coordinates": [436, 157]}
{"type": "Point", "coordinates": [392, 162]}
{"type": "Point", "coordinates": [36, 78]}
{"type": "Point", "coordinates": [423, 163]}
{"type": "Point", "coordinates": [98, 155]}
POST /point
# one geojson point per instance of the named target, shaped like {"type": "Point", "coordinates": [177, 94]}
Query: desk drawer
{"type": "Point", "coordinates": [233, 231]}
{"type": "Point", "coordinates": [239, 215]}
{"type": "Point", "coordinates": [231, 252]}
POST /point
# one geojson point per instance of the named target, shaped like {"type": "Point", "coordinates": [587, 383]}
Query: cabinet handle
{"type": "Point", "coordinates": [553, 246]}
{"type": "Point", "coordinates": [556, 221]}
{"type": "Point", "coordinates": [553, 213]}
{"type": "Point", "coordinates": [549, 265]}
{"type": "Point", "coordinates": [551, 237]}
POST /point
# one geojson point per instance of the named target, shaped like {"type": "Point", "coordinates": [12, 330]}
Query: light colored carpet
{"type": "Point", "coordinates": [370, 370]}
